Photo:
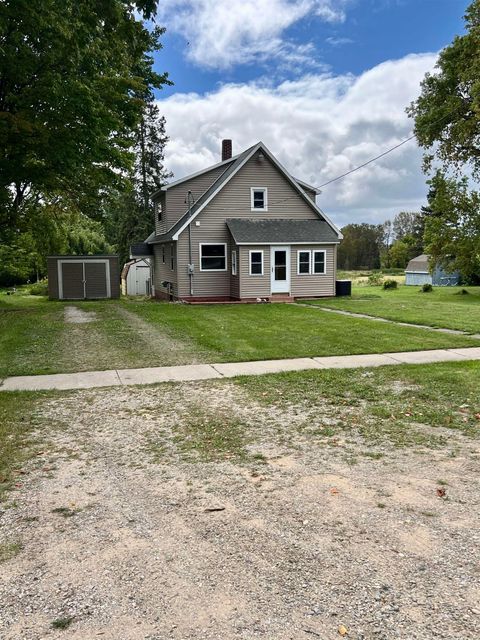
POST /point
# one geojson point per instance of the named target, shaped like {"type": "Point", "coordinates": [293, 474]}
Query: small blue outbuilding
{"type": "Point", "coordinates": [418, 273]}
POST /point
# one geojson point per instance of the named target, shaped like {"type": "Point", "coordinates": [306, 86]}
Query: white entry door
{"type": "Point", "coordinates": [280, 269]}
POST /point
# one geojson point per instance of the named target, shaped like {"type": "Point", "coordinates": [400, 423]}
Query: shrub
{"type": "Point", "coordinates": [390, 284]}
{"type": "Point", "coordinates": [427, 288]}
{"type": "Point", "coordinates": [375, 279]}
{"type": "Point", "coordinates": [462, 292]}
{"type": "Point", "coordinates": [39, 288]}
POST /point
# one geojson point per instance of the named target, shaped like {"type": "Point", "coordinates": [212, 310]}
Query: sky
{"type": "Point", "coordinates": [323, 83]}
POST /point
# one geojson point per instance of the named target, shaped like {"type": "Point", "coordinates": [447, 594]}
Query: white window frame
{"type": "Point", "coordinates": [159, 211]}
{"type": "Point", "coordinates": [307, 273]}
{"type": "Point", "coordinates": [234, 262]}
{"type": "Point", "coordinates": [250, 262]}
{"type": "Point", "coordinates": [211, 244]}
{"type": "Point", "coordinates": [319, 273]}
{"type": "Point", "coordinates": [265, 198]}
{"type": "Point", "coordinates": [311, 270]}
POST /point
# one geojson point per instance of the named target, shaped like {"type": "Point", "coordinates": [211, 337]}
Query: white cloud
{"type": "Point", "coordinates": [319, 126]}
{"type": "Point", "coordinates": [221, 34]}
{"type": "Point", "coordinates": [337, 41]}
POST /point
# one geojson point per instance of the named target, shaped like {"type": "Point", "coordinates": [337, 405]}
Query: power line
{"type": "Point", "coordinates": [360, 166]}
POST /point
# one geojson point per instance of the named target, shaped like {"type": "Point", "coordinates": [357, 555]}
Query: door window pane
{"type": "Point", "coordinates": [280, 267]}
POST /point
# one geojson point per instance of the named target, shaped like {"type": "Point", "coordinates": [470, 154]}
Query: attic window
{"type": "Point", "coordinates": [259, 199]}
{"type": "Point", "coordinates": [159, 211]}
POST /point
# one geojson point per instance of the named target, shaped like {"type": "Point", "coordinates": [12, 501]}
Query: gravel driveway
{"type": "Point", "coordinates": [130, 532]}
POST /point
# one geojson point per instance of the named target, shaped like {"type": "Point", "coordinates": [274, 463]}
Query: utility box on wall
{"type": "Point", "coordinates": [83, 277]}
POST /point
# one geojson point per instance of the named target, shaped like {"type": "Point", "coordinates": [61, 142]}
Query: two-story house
{"type": "Point", "coordinates": [242, 229]}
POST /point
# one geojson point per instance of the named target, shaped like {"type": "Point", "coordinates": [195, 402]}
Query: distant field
{"type": "Point", "coordinates": [443, 307]}
{"type": "Point", "coordinates": [360, 277]}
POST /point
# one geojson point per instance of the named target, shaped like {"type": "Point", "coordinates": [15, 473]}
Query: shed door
{"type": "Point", "coordinates": [96, 285]}
{"type": "Point", "coordinates": [73, 287]}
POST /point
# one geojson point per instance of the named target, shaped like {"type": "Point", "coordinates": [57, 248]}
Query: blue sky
{"type": "Point", "coordinates": [324, 83]}
{"type": "Point", "coordinates": [373, 31]}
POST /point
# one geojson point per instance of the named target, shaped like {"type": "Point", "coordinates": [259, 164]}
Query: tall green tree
{"type": "Point", "coordinates": [73, 80]}
{"type": "Point", "coordinates": [360, 247]}
{"type": "Point", "coordinates": [447, 112]}
{"type": "Point", "coordinates": [452, 228]}
{"type": "Point", "coordinates": [130, 211]}
{"type": "Point", "coordinates": [447, 126]}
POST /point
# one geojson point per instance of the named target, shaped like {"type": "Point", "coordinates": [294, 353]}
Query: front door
{"type": "Point", "coordinates": [280, 269]}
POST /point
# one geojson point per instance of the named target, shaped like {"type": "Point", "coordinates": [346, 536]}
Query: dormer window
{"type": "Point", "coordinates": [259, 199]}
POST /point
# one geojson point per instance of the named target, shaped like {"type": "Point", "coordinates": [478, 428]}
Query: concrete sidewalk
{"type": "Point", "coordinates": [125, 377]}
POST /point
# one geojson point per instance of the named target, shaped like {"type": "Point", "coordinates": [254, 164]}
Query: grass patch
{"type": "Point", "coordinates": [20, 417]}
{"type": "Point", "coordinates": [62, 623]}
{"type": "Point", "coordinates": [444, 306]}
{"type": "Point", "coordinates": [9, 550]}
{"type": "Point", "coordinates": [256, 332]}
{"type": "Point", "coordinates": [212, 436]}
{"type": "Point", "coordinates": [440, 395]}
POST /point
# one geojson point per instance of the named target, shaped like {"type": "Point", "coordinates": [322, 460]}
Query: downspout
{"type": "Point", "coordinates": [190, 200]}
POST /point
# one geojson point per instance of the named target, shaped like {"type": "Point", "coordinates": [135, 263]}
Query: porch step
{"type": "Point", "coordinates": [281, 297]}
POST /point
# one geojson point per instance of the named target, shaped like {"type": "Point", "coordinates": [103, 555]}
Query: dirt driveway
{"type": "Point", "coordinates": [143, 519]}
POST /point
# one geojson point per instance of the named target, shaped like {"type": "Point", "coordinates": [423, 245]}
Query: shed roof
{"type": "Point", "coordinates": [281, 231]}
{"type": "Point", "coordinates": [420, 264]}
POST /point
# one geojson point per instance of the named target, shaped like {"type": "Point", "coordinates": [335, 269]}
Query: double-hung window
{"type": "Point", "coordinates": [234, 263]}
{"type": "Point", "coordinates": [303, 262]}
{"type": "Point", "coordinates": [172, 257]}
{"type": "Point", "coordinates": [256, 263]}
{"type": "Point", "coordinates": [158, 206]}
{"type": "Point", "coordinates": [319, 262]}
{"type": "Point", "coordinates": [213, 257]}
{"type": "Point", "coordinates": [259, 198]}
{"type": "Point", "coordinates": [311, 262]}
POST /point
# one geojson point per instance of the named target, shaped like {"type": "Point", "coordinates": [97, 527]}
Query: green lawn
{"type": "Point", "coordinates": [443, 307]}
{"type": "Point", "coordinates": [392, 404]}
{"type": "Point", "coordinates": [255, 332]}
{"type": "Point", "coordinates": [35, 339]}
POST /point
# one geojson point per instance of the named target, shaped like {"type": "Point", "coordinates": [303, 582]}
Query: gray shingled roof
{"type": "Point", "coordinates": [247, 231]}
{"type": "Point", "coordinates": [419, 264]}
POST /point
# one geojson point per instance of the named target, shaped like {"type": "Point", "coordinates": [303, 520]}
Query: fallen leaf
{"type": "Point", "coordinates": [441, 493]}
{"type": "Point", "coordinates": [342, 630]}
{"type": "Point", "coordinates": [334, 491]}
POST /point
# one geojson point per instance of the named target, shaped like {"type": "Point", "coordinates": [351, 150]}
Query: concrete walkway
{"type": "Point", "coordinates": [122, 377]}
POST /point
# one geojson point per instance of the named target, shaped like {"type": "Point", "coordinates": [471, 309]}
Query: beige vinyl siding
{"type": "Point", "coordinates": [160, 225]}
{"type": "Point", "coordinates": [234, 201]}
{"type": "Point", "coordinates": [254, 286]}
{"type": "Point", "coordinates": [175, 206]}
{"type": "Point", "coordinates": [205, 283]}
{"type": "Point", "coordinates": [315, 284]}
{"type": "Point", "coordinates": [162, 272]}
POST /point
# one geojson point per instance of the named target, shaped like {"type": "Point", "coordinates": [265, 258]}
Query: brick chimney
{"type": "Point", "coordinates": [226, 149]}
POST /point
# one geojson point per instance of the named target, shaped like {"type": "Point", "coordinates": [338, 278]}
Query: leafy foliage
{"type": "Point", "coordinates": [390, 284]}
{"type": "Point", "coordinates": [452, 229]}
{"type": "Point", "coordinates": [447, 112]}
